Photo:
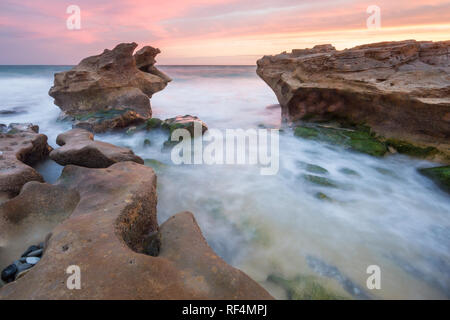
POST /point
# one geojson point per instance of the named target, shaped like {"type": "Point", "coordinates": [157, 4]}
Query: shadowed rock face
{"type": "Point", "coordinates": [401, 89]}
{"type": "Point", "coordinates": [105, 236]}
{"type": "Point", "coordinates": [27, 219]}
{"type": "Point", "coordinates": [79, 148]}
{"type": "Point", "coordinates": [20, 146]}
{"type": "Point", "coordinates": [110, 81]}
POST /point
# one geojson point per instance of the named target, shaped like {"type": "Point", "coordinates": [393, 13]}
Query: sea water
{"type": "Point", "coordinates": [383, 213]}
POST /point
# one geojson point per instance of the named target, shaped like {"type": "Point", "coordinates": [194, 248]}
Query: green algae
{"type": "Point", "coordinates": [360, 139]}
{"type": "Point", "coordinates": [304, 287]}
{"type": "Point", "coordinates": [153, 123]}
{"type": "Point", "coordinates": [321, 181]}
{"type": "Point", "coordinates": [407, 148]}
{"type": "Point", "coordinates": [349, 172]}
{"type": "Point", "coordinates": [440, 176]}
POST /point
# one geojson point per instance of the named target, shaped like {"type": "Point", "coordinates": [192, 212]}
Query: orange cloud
{"type": "Point", "coordinates": [219, 31]}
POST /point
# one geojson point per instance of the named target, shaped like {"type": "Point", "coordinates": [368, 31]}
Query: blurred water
{"type": "Point", "coordinates": [385, 214]}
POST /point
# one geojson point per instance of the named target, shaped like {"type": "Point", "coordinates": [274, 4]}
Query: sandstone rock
{"type": "Point", "coordinates": [107, 119]}
{"type": "Point", "coordinates": [145, 61]}
{"type": "Point", "coordinates": [105, 236]}
{"type": "Point", "coordinates": [79, 148]}
{"type": "Point", "coordinates": [400, 89]}
{"type": "Point", "coordinates": [184, 122]}
{"type": "Point", "coordinates": [20, 146]}
{"type": "Point", "coordinates": [27, 218]}
{"type": "Point", "coordinates": [110, 81]}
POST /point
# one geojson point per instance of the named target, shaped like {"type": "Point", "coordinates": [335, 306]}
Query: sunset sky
{"type": "Point", "coordinates": [207, 31]}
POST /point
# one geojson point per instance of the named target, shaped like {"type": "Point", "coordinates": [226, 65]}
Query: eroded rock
{"type": "Point", "coordinates": [21, 145]}
{"type": "Point", "coordinates": [79, 148]}
{"type": "Point", "coordinates": [105, 236]}
{"type": "Point", "coordinates": [400, 89]}
{"type": "Point", "coordinates": [187, 122]}
{"type": "Point", "coordinates": [110, 81]}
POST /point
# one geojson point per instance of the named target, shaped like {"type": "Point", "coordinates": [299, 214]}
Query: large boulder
{"type": "Point", "coordinates": [110, 82]}
{"type": "Point", "coordinates": [21, 145]}
{"type": "Point", "coordinates": [400, 89]}
{"type": "Point", "coordinates": [107, 236]}
{"type": "Point", "coordinates": [79, 148]}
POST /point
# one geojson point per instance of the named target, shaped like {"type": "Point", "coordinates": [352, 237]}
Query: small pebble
{"type": "Point", "coordinates": [33, 260]}
{"type": "Point", "coordinates": [36, 253]}
{"type": "Point", "coordinates": [30, 249]}
{"type": "Point", "coordinates": [23, 266]}
{"type": "Point", "coordinates": [9, 273]}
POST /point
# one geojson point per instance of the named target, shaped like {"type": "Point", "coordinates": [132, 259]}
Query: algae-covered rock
{"type": "Point", "coordinates": [322, 181]}
{"type": "Point", "coordinates": [440, 175]}
{"type": "Point", "coordinates": [147, 142]}
{"type": "Point", "coordinates": [104, 120]}
{"type": "Point", "coordinates": [349, 172]}
{"type": "Point", "coordinates": [386, 172]}
{"type": "Point", "coordinates": [153, 123]}
{"type": "Point", "coordinates": [184, 122]}
{"type": "Point", "coordinates": [358, 139]}
{"type": "Point", "coordinates": [410, 149]}
{"type": "Point", "coordinates": [322, 196]}
{"type": "Point", "coordinates": [304, 288]}
{"type": "Point", "coordinates": [313, 168]}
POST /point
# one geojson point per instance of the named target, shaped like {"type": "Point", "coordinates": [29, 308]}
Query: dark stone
{"type": "Point", "coordinates": [23, 266]}
{"type": "Point", "coordinates": [9, 273]}
{"type": "Point", "coordinates": [29, 250]}
{"type": "Point", "coordinates": [36, 253]}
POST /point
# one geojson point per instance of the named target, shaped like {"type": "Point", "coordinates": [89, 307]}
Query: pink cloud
{"type": "Point", "coordinates": [188, 29]}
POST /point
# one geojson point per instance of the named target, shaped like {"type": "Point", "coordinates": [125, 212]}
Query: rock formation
{"type": "Point", "coordinates": [20, 146]}
{"type": "Point", "coordinates": [400, 89]}
{"type": "Point", "coordinates": [111, 82]}
{"type": "Point", "coordinates": [79, 148]}
{"type": "Point", "coordinates": [107, 233]}
{"type": "Point", "coordinates": [184, 122]}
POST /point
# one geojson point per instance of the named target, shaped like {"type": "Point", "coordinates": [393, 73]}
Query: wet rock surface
{"type": "Point", "coordinates": [357, 139]}
{"type": "Point", "coordinates": [21, 145]}
{"type": "Point", "coordinates": [113, 80]}
{"type": "Point", "coordinates": [79, 148]}
{"type": "Point", "coordinates": [401, 89]}
{"type": "Point", "coordinates": [440, 176]}
{"type": "Point", "coordinates": [187, 122]}
{"type": "Point", "coordinates": [114, 220]}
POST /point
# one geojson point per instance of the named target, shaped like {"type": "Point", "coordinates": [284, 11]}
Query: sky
{"type": "Point", "coordinates": [211, 32]}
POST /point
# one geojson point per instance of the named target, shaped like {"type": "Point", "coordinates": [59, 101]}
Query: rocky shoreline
{"type": "Point", "coordinates": [100, 215]}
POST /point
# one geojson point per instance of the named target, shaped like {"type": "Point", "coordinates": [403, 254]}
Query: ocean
{"type": "Point", "coordinates": [384, 213]}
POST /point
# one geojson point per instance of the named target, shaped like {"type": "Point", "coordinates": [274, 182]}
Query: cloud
{"type": "Point", "coordinates": [188, 30]}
